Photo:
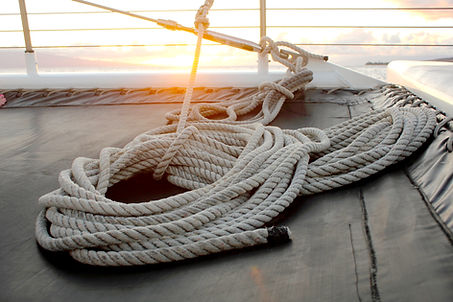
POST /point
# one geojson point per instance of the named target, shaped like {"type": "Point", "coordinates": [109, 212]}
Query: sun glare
{"type": "Point", "coordinates": [175, 62]}
{"type": "Point", "coordinates": [100, 28]}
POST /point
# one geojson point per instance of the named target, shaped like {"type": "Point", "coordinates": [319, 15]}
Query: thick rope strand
{"type": "Point", "coordinates": [231, 199]}
{"type": "Point", "coordinates": [240, 174]}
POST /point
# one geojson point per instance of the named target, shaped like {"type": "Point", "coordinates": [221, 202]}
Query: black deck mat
{"type": "Point", "coordinates": [372, 241]}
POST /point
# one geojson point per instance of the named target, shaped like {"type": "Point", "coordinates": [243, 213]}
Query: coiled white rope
{"type": "Point", "coordinates": [240, 175]}
{"type": "Point", "coordinates": [399, 96]}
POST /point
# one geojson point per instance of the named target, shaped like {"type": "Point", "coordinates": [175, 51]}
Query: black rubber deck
{"type": "Point", "coordinates": [376, 240]}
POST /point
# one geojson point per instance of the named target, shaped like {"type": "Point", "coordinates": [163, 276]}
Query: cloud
{"type": "Point", "coordinates": [391, 38]}
{"type": "Point", "coordinates": [428, 14]}
{"type": "Point", "coordinates": [356, 36]}
{"type": "Point", "coordinates": [358, 55]}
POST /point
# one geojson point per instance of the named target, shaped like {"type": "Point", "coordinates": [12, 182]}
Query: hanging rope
{"type": "Point", "coordinates": [239, 175]}
{"type": "Point", "coordinates": [201, 24]}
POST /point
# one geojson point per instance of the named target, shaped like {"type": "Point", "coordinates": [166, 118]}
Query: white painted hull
{"type": "Point", "coordinates": [430, 80]}
{"type": "Point", "coordinates": [326, 75]}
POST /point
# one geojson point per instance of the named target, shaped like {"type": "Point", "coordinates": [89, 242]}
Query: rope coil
{"type": "Point", "coordinates": [401, 97]}
{"type": "Point", "coordinates": [239, 174]}
{"type": "Point", "coordinates": [240, 177]}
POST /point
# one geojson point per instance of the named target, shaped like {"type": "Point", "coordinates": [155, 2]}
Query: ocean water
{"type": "Point", "coordinates": [375, 71]}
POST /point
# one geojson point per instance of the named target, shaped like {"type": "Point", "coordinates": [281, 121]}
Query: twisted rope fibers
{"type": "Point", "coordinates": [270, 97]}
{"type": "Point", "coordinates": [399, 96]}
{"type": "Point", "coordinates": [240, 177]}
{"type": "Point", "coordinates": [269, 100]}
{"type": "Point", "coordinates": [240, 174]}
{"type": "Point", "coordinates": [201, 23]}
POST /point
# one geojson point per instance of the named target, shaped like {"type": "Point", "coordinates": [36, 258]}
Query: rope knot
{"type": "Point", "coordinates": [277, 87]}
{"type": "Point", "coordinates": [201, 18]}
{"type": "Point", "coordinates": [201, 21]}
{"type": "Point", "coordinates": [287, 54]}
{"type": "Point", "coordinates": [176, 144]}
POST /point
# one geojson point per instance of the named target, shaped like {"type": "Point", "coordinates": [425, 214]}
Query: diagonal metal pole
{"type": "Point", "coordinates": [172, 25]}
{"type": "Point", "coordinates": [209, 34]}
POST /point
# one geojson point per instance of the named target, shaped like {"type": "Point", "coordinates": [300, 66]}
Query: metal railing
{"type": "Point", "coordinates": [445, 8]}
{"type": "Point", "coordinates": [262, 27]}
{"type": "Point", "coordinates": [27, 30]}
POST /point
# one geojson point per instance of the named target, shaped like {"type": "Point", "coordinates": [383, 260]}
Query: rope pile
{"type": "Point", "coordinates": [239, 176]}
{"type": "Point", "coordinates": [399, 96]}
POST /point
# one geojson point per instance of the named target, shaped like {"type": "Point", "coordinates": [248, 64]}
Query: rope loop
{"type": "Point", "coordinates": [240, 175]}
{"type": "Point", "coordinates": [294, 61]}
{"type": "Point", "coordinates": [277, 87]}
{"type": "Point", "coordinates": [400, 96]}
{"type": "Point", "coordinates": [268, 99]}
{"type": "Point", "coordinates": [441, 125]}
{"type": "Point", "coordinates": [172, 150]}
{"type": "Point", "coordinates": [239, 178]}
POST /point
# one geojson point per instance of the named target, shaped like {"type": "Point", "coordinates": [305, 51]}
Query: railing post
{"type": "Point", "coordinates": [263, 60]}
{"type": "Point", "coordinates": [30, 58]}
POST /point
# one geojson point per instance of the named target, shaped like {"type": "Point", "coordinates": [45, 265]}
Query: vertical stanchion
{"type": "Point", "coordinates": [263, 60]}
{"type": "Point", "coordinates": [30, 59]}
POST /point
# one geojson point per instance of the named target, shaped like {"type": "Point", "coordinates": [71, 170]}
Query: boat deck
{"type": "Point", "coordinates": [377, 240]}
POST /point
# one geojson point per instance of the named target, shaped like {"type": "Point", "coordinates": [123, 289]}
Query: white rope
{"type": "Point", "coordinates": [201, 23]}
{"type": "Point", "coordinates": [239, 175]}
{"type": "Point", "coordinates": [269, 99]}
{"type": "Point", "coordinates": [399, 96]}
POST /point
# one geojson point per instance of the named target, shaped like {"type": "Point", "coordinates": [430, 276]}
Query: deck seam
{"type": "Point", "coordinates": [375, 296]}
{"type": "Point", "coordinates": [355, 264]}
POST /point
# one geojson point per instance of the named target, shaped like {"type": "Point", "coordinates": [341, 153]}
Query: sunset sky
{"type": "Point", "coordinates": [46, 31]}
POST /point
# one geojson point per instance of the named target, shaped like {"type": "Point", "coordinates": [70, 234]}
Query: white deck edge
{"type": "Point", "coordinates": [326, 75]}
{"type": "Point", "coordinates": [432, 81]}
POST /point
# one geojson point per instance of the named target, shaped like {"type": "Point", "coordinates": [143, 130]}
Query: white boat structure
{"type": "Point", "coordinates": [370, 162]}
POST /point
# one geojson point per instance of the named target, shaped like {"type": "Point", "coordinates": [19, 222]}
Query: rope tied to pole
{"type": "Point", "coordinates": [269, 99]}
{"type": "Point", "coordinates": [294, 61]}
